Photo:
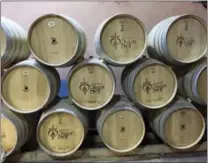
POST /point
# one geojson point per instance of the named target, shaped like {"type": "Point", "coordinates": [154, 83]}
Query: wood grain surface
{"type": "Point", "coordinates": [53, 39]}
{"type": "Point", "coordinates": [8, 134]}
{"type": "Point", "coordinates": [155, 85]}
{"type": "Point", "coordinates": [61, 132]}
{"type": "Point", "coordinates": [183, 128]}
{"type": "Point", "coordinates": [123, 130]}
{"type": "Point", "coordinates": [25, 88]}
{"type": "Point", "coordinates": [91, 86]}
{"type": "Point", "coordinates": [123, 38]}
{"type": "Point", "coordinates": [202, 84]}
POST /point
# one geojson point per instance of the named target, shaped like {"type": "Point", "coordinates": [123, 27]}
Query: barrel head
{"type": "Point", "coordinates": [91, 86]}
{"type": "Point", "coordinates": [8, 135]}
{"type": "Point", "coordinates": [123, 39]}
{"type": "Point", "coordinates": [53, 39]}
{"type": "Point", "coordinates": [187, 39]}
{"type": "Point", "coordinates": [25, 88]}
{"type": "Point", "coordinates": [155, 86]}
{"type": "Point", "coordinates": [60, 133]}
{"type": "Point", "coordinates": [184, 128]}
{"type": "Point", "coordinates": [123, 130]}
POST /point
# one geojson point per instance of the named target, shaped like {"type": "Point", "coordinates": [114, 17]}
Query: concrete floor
{"type": "Point", "coordinates": [199, 157]}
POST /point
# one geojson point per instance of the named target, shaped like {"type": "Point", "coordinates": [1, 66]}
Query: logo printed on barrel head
{"type": "Point", "coordinates": [59, 133]}
{"type": "Point", "coordinates": [84, 86]}
{"type": "Point", "coordinates": [154, 87]}
{"type": "Point", "coordinates": [187, 42]}
{"type": "Point", "coordinates": [52, 132]}
{"type": "Point", "coordinates": [93, 88]}
{"type": "Point", "coordinates": [122, 42]}
{"type": "Point", "coordinates": [64, 134]}
{"type": "Point", "coordinates": [147, 86]}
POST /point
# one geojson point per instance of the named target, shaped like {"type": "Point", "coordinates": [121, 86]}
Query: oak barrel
{"type": "Point", "coordinates": [180, 124]}
{"type": "Point", "coordinates": [91, 84]}
{"type": "Point", "coordinates": [62, 129]}
{"type": "Point", "coordinates": [149, 83]}
{"type": "Point", "coordinates": [14, 45]}
{"type": "Point", "coordinates": [121, 39]}
{"type": "Point", "coordinates": [120, 125]}
{"type": "Point", "coordinates": [178, 40]}
{"type": "Point", "coordinates": [29, 86]}
{"type": "Point", "coordinates": [57, 40]}
{"type": "Point", "coordinates": [194, 82]}
{"type": "Point", "coordinates": [15, 131]}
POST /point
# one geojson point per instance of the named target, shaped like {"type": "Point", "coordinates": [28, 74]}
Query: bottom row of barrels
{"type": "Point", "coordinates": [61, 129]}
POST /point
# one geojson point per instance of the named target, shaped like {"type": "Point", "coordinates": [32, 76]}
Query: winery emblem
{"type": "Point", "coordinates": [52, 132]}
{"type": "Point", "coordinates": [84, 86]}
{"type": "Point", "coordinates": [187, 42]}
{"type": "Point", "coordinates": [118, 41]}
{"type": "Point", "coordinates": [115, 40]}
{"type": "Point", "coordinates": [93, 88]}
{"type": "Point", "coordinates": [147, 86]}
{"type": "Point", "coordinates": [59, 133]}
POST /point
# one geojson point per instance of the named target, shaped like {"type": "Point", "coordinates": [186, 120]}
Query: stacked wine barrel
{"type": "Point", "coordinates": [14, 45]}
{"type": "Point", "coordinates": [160, 88]}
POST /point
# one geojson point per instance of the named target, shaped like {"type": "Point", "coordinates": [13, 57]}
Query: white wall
{"type": "Point", "coordinates": [91, 14]}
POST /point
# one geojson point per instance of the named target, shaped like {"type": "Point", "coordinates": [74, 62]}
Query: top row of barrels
{"type": "Point", "coordinates": [60, 41]}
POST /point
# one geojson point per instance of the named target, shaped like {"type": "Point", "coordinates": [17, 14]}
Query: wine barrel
{"type": "Point", "coordinates": [62, 129]}
{"type": "Point", "coordinates": [178, 40]}
{"type": "Point", "coordinates": [91, 84]}
{"type": "Point", "coordinates": [180, 124]}
{"type": "Point", "coordinates": [203, 110]}
{"type": "Point", "coordinates": [121, 39]}
{"type": "Point", "coordinates": [57, 40]}
{"type": "Point", "coordinates": [194, 83]}
{"type": "Point", "coordinates": [149, 83]}
{"type": "Point", "coordinates": [14, 45]}
{"type": "Point", "coordinates": [15, 131]}
{"type": "Point", "coordinates": [29, 86]}
{"type": "Point", "coordinates": [120, 125]}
